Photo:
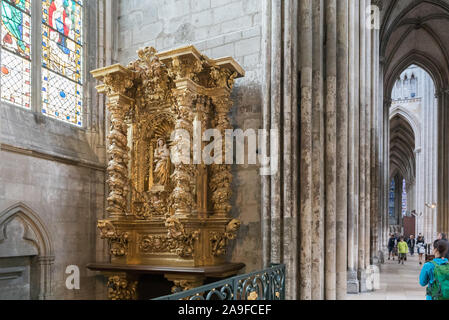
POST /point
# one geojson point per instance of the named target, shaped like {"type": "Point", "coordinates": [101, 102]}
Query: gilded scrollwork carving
{"type": "Point", "coordinates": [117, 83]}
{"type": "Point", "coordinates": [184, 285]}
{"type": "Point", "coordinates": [152, 75]}
{"type": "Point", "coordinates": [180, 241]}
{"type": "Point", "coordinates": [183, 68]}
{"type": "Point", "coordinates": [121, 288]}
{"type": "Point", "coordinates": [118, 241]}
{"type": "Point", "coordinates": [154, 243]}
{"type": "Point", "coordinates": [219, 240]}
{"type": "Point", "coordinates": [222, 78]}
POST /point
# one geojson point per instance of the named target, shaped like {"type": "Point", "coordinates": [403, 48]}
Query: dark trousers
{"type": "Point", "coordinates": [402, 256]}
{"type": "Point", "coordinates": [412, 250]}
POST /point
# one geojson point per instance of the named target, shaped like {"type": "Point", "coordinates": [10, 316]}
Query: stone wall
{"type": "Point", "coordinates": [57, 172]}
{"type": "Point", "coordinates": [217, 28]}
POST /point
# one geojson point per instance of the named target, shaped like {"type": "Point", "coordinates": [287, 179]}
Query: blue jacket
{"type": "Point", "coordinates": [426, 276]}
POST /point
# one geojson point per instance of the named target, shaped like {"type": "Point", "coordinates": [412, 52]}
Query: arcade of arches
{"type": "Point", "coordinates": [358, 89]}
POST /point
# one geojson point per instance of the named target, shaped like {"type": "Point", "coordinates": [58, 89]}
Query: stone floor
{"type": "Point", "coordinates": [397, 282]}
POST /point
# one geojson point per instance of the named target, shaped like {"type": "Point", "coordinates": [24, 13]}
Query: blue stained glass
{"type": "Point", "coordinates": [62, 55]}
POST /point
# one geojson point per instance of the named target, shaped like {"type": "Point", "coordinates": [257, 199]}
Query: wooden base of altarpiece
{"type": "Point", "coordinates": [123, 280]}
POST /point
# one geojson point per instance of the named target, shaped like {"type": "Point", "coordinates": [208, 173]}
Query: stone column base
{"type": "Point", "coordinates": [353, 283]}
{"type": "Point", "coordinates": [369, 279]}
{"type": "Point", "coordinates": [361, 275]}
{"type": "Point", "coordinates": [381, 257]}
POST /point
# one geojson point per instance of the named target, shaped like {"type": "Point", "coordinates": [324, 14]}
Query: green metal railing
{"type": "Point", "coordinates": [268, 284]}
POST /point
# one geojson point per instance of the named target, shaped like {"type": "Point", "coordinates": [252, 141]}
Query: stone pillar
{"type": "Point", "coordinates": [266, 116]}
{"type": "Point", "coordinates": [290, 159]}
{"type": "Point", "coordinates": [375, 173]}
{"type": "Point", "coordinates": [331, 150]}
{"type": "Point", "coordinates": [353, 283]}
{"type": "Point", "coordinates": [294, 256]}
{"type": "Point", "coordinates": [342, 147]}
{"type": "Point", "coordinates": [45, 266]}
{"type": "Point", "coordinates": [368, 157]}
{"type": "Point", "coordinates": [305, 168]}
{"type": "Point", "coordinates": [280, 212]}
{"type": "Point", "coordinates": [317, 154]}
{"type": "Point", "coordinates": [443, 162]}
{"type": "Point", "coordinates": [276, 98]}
{"type": "Point", "coordinates": [362, 162]}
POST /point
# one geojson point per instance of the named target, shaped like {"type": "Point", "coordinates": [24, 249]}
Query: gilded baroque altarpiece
{"type": "Point", "coordinates": [164, 212]}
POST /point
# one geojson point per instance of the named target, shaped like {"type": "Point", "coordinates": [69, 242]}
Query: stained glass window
{"type": "Point", "coordinates": [61, 80]}
{"type": "Point", "coordinates": [62, 65]}
{"type": "Point", "coordinates": [16, 52]}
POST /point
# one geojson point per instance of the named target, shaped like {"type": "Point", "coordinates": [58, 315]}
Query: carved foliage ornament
{"type": "Point", "coordinates": [120, 288]}
{"type": "Point", "coordinates": [219, 240]}
{"type": "Point", "coordinates": [154, 84]}
{"type": "Point", "coordinates": [117, 83]}
{"type": "Point", "coordinates": [181, 242]}
{"type": "Point", "coordinates": [118, 241]}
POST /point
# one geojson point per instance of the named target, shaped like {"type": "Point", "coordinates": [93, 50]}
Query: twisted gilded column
{"type": "Point", "coordinates": [117, 80]}
{"type": "Point", "coordinates": [184, 172]}
{"type": "Point", "coordinates": [221, 176]}
{"type": "Point", "coordinates": [118, 152]}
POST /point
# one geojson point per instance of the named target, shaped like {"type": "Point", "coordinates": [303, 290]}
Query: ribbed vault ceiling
{"type": "Point", "coordinates": [402, 147]}
{"type": "Point", "coordinates": [415, 32]}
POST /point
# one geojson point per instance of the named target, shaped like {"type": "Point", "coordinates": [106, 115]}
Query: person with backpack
{"type": "Point", "coordinates": [402, 250]}
{"type": "Point", "coordinates": [435, 274]}
{"type": "Point", "coordinates": [443, 237]}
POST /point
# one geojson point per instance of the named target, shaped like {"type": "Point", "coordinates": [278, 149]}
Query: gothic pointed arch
{"type": "Point", "coordinates": [36, 233]}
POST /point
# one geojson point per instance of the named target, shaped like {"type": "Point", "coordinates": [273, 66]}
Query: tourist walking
{"type": "Point", "coordinates": [411, 244]}
{"type": "Point", "coordinates": [391, 246]}
{"type": "Point", "coordinates": [420, 248]}
{"type": "Point", "coordinates": [435, 274]}
{"type": "Point", "coordinates": [402, 249]}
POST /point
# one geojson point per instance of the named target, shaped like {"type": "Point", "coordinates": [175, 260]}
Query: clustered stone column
{"type": "Point", "coordinates": [333, 224]}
